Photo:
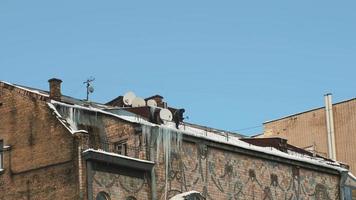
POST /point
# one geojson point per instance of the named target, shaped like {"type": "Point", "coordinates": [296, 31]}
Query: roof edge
{"type": "Point", "coordinates": [306, 111]}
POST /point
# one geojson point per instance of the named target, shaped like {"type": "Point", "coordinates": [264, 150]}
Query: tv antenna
{"type": "Point", "coordinates": [90, 88]}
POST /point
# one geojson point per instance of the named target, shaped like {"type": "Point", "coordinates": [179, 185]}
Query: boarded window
{"type": "Point", "coordinates": [121, 147]}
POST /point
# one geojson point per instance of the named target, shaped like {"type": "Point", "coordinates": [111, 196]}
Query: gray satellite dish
{"type": "Point", "coordinates": [165, 115]}
{"type": "Point", "coordinates": [128, 98]}
{"type": "Point", "coordinates": [152, 103]}
{"type": "Point", "coordinates": [138, 102]}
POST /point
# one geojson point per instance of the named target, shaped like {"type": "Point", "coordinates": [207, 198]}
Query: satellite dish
{"type": "Point", "coordinates": [152, 103]}
{"type": "Point", "coordinates": [138, 102]}
{"type": "Point", "coordinates": [90, 89]}
{"type": "Point", "coordinates": [165, 115]}
{"type": "Point", "coordinates": [128, 98]}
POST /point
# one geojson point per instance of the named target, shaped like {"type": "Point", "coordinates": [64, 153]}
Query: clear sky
{"type": "Point", "coordinates": [230, 64]}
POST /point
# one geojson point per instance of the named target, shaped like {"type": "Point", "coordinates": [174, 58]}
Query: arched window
{"type": "Point", "coordinates": [102, 196]}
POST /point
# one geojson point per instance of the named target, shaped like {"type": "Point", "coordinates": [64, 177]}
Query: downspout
{"type": "Point", "coordinates": [330, 126]}
{"type": "Point", "coordinates": [343, 177]}
{"type": "Point", "coordinates": [78, 135]}
{"type": "Point", "coordinates": [80, 173]}
{"type": "Point", "coordinates": [153, 173]}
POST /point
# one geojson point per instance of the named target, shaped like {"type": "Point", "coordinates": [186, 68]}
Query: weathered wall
{"type": "Point", "coordinates": [121, 187]}
{"type": "Point", "coordinates": [309, 128]}
{"type": "Point", "coordinates": [217, 173]}
{"type": "Point", "coordinates": [221, 174]}
{"type": "Point", "coordinates": [40, 163]}
{"type": "Point", "coordinates": [103, 132]}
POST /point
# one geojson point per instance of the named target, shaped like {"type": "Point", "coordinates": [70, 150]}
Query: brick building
{"type": "Point", "coordinates": [56, 147]}
{"type": "Point", "coordinates": [329, 131]}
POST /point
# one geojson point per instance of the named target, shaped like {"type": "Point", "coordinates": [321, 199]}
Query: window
{"type": "Point", "coordinates": [1, 154]}
{"type": "Point", "coordinates": [102, 196]}
{"type": "Point", "coordinates": [121, 147]}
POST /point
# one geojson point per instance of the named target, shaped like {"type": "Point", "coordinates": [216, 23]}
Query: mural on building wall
{"type": "Point", "coordinates": [218, 174]}
{"type": "Point", "coordinates": [120, 187]}
{"type": "Point", "coordinates": [226, 175]}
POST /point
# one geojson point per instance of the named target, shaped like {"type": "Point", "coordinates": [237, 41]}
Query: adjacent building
{"type": "Point", "coordinates": [57, 147]}
{"type": "Point", "coordinates": [329, 131]}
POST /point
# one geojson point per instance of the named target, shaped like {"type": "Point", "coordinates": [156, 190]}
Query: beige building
{"type": "Point", "coordinates": [329, 131]}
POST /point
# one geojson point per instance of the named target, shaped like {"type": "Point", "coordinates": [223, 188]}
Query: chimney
{"type": "Point", "coordinates": [55, 89]}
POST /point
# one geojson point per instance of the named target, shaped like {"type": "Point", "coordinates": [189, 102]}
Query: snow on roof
{"type": "Point", "coordinates": [183, 195]}
{"type": "Point", "coordinates": [207, 135]}
{"type": "Point", "coordinates": [186, 129]}
{"type": "Point", "coordinates": [268, 150]}
{"type": "Point", "coordinates": [117, 155]}
{"type": "Point", "coordinates": [129, 118]}
{"type": "Point", "coordinates": [64, 121]}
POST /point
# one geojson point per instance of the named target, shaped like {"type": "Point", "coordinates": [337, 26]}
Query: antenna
{"type": "Point", "coordinates": [90, 88]}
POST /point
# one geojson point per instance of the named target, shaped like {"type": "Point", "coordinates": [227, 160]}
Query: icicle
{"type": "Point", "coordinates": [165, 141]}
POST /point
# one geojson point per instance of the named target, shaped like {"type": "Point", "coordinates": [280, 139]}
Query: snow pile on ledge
{"type": "Point", "coordinates": [133, 119]}
{"type": "Point", "coordinates": [183, 196]}
{"type": "Point", "coordinates": [117, 155]}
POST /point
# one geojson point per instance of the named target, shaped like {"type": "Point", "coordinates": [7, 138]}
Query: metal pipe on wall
{"type": "Point", "coordinates": [330, 126]}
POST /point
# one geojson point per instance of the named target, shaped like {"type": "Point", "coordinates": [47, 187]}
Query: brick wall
{"type": "Point", "coordinates": [308, 129]}
{"type": "Point", "coordinates": [220, 174]}
{"type": "Point", "coordinates": [40, 163]}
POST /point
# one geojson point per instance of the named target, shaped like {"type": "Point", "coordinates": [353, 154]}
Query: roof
{"type": "Point", "coordinates": [64, 98]}
{"type": "Point", "coordinates": [213, 136]}
{"type": "Point", "coordinates": [310, 110]}
{"type": "Point", "coordinates": [154, 97]}
{"type": "Point", "coordinates": [193, 130]}
{"type": "Point", "coordinates": [280, 144]}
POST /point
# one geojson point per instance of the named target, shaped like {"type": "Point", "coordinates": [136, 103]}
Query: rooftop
{"type": "Point", "coordinates": [273, 147]}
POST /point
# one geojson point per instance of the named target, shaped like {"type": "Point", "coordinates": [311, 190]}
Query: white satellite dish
{"type": "Point", "coordinates": [152, 103]}
{"type": "Point", "coordinates": [138, 102]}
{"type": "Point", "coordinates": [165, 115]}
{"type": "Point", "coordinates": [128, 98]}
{"type": "Point", "coordinates": [90, 89]}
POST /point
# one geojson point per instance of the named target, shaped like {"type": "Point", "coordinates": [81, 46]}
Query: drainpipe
{"type": "Point", "coordinates": [330, 126]}
{"type": "Point", "coordinates": [80, 172]}
{"type": "Point", "coordinates": [79, 137]}
{"type": "Point", "coordinates": [153, 173]}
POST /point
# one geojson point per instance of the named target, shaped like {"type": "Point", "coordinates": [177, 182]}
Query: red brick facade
{"type": "Point", "coordinates": [40, 162]}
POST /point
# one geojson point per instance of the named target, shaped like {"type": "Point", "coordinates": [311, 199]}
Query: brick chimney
{"type": "Point", "coordinates": [55, 89]}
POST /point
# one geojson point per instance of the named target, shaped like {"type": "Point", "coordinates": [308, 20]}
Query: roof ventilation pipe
{"type": "Point", "coordinates": [330, 126]}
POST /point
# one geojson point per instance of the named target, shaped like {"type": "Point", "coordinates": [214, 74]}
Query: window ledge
{"type": "Point", "coordinates": [2, 171]}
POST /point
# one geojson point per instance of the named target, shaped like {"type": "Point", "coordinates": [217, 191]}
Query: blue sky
{"type": "Point", "coordinates": [230, 64]}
